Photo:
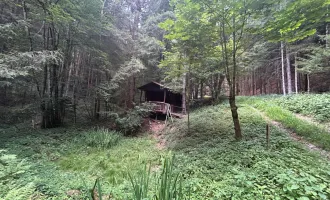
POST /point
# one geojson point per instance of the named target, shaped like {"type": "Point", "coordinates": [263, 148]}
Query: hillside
{"type": "Point", "coordinates": [64, 163]}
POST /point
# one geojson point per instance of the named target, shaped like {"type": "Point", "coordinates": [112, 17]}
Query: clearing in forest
{"type": "Point", "coordinates": [213, 164]}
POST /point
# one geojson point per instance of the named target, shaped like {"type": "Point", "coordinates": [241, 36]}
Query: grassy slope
{"type": "Point", "coordinates": [221, 168]}
{"type": "Point", "coordinates": [314, 105]}
{"type": "Point", "coordinates": [310, 131]}
{"type": "Point", "coordinates": [212, 162]}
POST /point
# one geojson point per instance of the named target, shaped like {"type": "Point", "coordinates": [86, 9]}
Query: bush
{"type": "Point", "coordinates": [198, 103]}
{"type": "Point", "coordinates": [132, 121]}
{"type": "Point", "coordinates": [100, 138]}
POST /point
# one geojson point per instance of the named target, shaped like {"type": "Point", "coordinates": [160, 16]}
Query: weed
{"type": "Point", "coordinates": [100, 138]}
{"type": "Point", "coordinates": [140, 183]}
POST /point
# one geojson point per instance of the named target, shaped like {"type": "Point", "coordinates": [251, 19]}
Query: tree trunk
{"type": "Point", "coordinates": [288, 70]}
{"type": "Point", "coordinates": [237, 87]}
{"type": "Point", "coordinates": [295, 74]}
{"type": "Point", "coordinates": [188, 102]}
{"type": "Point", "coordinates": [231, 79]}
{"type": "Point", "coordinates": [27, 29]}
{"type": "Point", "coordinates": [51, 105]}
{"type": "Point", "coordinates": [308, 84]}
{"type": "Point", "coordinates": [283, 69]}
{"type": "Point", "coordinates": [196, 89]}
{"type": "Point", "coordinates": [201, 90]}
{"type": "Point", "coordinates": [253, 83]}
{"type": "Point", "coordinates": [327, 29]}
{"type": "Point", "coordinates": [326, 35]}
{"type": "Point", "coordinates": [184, 108]}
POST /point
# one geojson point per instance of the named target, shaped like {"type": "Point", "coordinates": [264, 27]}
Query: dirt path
{"type": "Point", "coordinates": [156, 127]}
{"type": "Point", "coordinates": [293, 135]}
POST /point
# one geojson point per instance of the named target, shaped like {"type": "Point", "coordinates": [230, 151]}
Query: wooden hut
{"type": "Point", "coordinates": [162, 97]}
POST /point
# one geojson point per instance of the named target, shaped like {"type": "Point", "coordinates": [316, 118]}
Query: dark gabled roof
{"type": "Point", "coordinates": [153, 86]}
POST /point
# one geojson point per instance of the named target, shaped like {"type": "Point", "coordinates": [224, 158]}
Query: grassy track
{"type": "Point", "coordinates": [316, 134]}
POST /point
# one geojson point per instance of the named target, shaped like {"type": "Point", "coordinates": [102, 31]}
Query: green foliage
{"type": "Point", "coordinates": [167, 185]}
{"type": "Point", "coordinates": [209, 163]}
{"type": "Point", "coordinates": [132, 121]}
{"type": "Point", "coordinates": [316, 105]}
{"type": "Point", "coordinates": [140, 183]}
{"type": "Point", "coordinates": [284, 23]}
{"type": "Point", "coordinates": [317, 60]}
{"type": "Point", "coordinates": [11, 171]}
{"type": "Point", "coordinates": [222, 168]}
{"type": "Point", "coordinates": [318, 135]}
{"type": "Point", "coordinates": [58, 162]}
{"type": "Point", "coordinates": [23, 63]}
{"type": "Point", "coordinates": [100, 138]}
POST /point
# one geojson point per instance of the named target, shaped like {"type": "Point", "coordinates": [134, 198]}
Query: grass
{"type": "Point", "coordinates": [315, 105]}
{"type": "Point", "coordinates": [100, 138]}
{"type": "Point", "coordinates": [211, 163]}
{"type": "Point", "coordinates": [60, 160]}
{"type": "Point", "coordinates": [310, 131]}
{"type": "Point", "coordinates": [218, 167]}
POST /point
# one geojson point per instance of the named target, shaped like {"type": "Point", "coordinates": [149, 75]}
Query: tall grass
{"type": "Point", "coordinates": [140, 183]}
{"type": "Point", "coordinates": [168, 185]}
{"type": "Point", "coordinates": [100, 138]}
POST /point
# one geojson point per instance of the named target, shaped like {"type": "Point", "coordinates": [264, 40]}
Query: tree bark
{"type": "Point", "coordinates": [27, 29]}
{"type": "Point", "coordinates": [288, 70]}
{"type": "Point", "coordinates": [184, 108]}
{"type": "Point", "coordinates": [295, 74]}
{"type": "Point", "coordinates": [231, 79]}
{"type": "Point", "coordinates": [283, 69]}
{"type": "Point", "coordinates": [308, 84]}
{"type": "Point", "coordinates": [201, 90]}
{"type": "Point", "coordinates": [196, 89]}
{"type": "Point", "coordinates": [253, 82]}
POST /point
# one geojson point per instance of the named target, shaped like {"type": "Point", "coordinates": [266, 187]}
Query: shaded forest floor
{"type": "Point", "coordinates": [57, 164]}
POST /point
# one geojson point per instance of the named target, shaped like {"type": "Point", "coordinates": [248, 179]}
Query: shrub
{"type": "Point", "coordinates": [100, 138]}
{"type": "Point", "coordinates": [132, 121]}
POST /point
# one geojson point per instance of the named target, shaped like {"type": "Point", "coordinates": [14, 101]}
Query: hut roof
{"type": "Point", "coordinates": [153, 86]}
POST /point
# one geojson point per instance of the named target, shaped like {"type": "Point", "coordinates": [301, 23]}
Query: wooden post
{"type": "Point", "coordinates": [141, 97]}
{"type": "Point", "coordinates": [267, 135]}
{"type": "Point", "coordinates": [164, 95]}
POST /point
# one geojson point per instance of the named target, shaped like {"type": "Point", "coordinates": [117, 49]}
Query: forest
{"type": "Point", "coordinates": [164, 99]}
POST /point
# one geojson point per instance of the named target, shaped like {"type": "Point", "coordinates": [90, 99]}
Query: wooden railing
{"type": "Point", "coordinates": [162, 107]}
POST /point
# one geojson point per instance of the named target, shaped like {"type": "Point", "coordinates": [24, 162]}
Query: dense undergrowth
{"type": "Point", "coordinates": [314, 133]}
{"type": "Point", "coordinates": [218, 167]}
{"type": "Point", "coordinates": [64, 163]}
{"type": "Point", "coordinates": [315, 105]}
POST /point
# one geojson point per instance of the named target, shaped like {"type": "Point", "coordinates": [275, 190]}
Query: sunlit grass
{"type": "Point", "coordinates": [310, 131]}
{"type": "Point", "coordinates": [113, 164]}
